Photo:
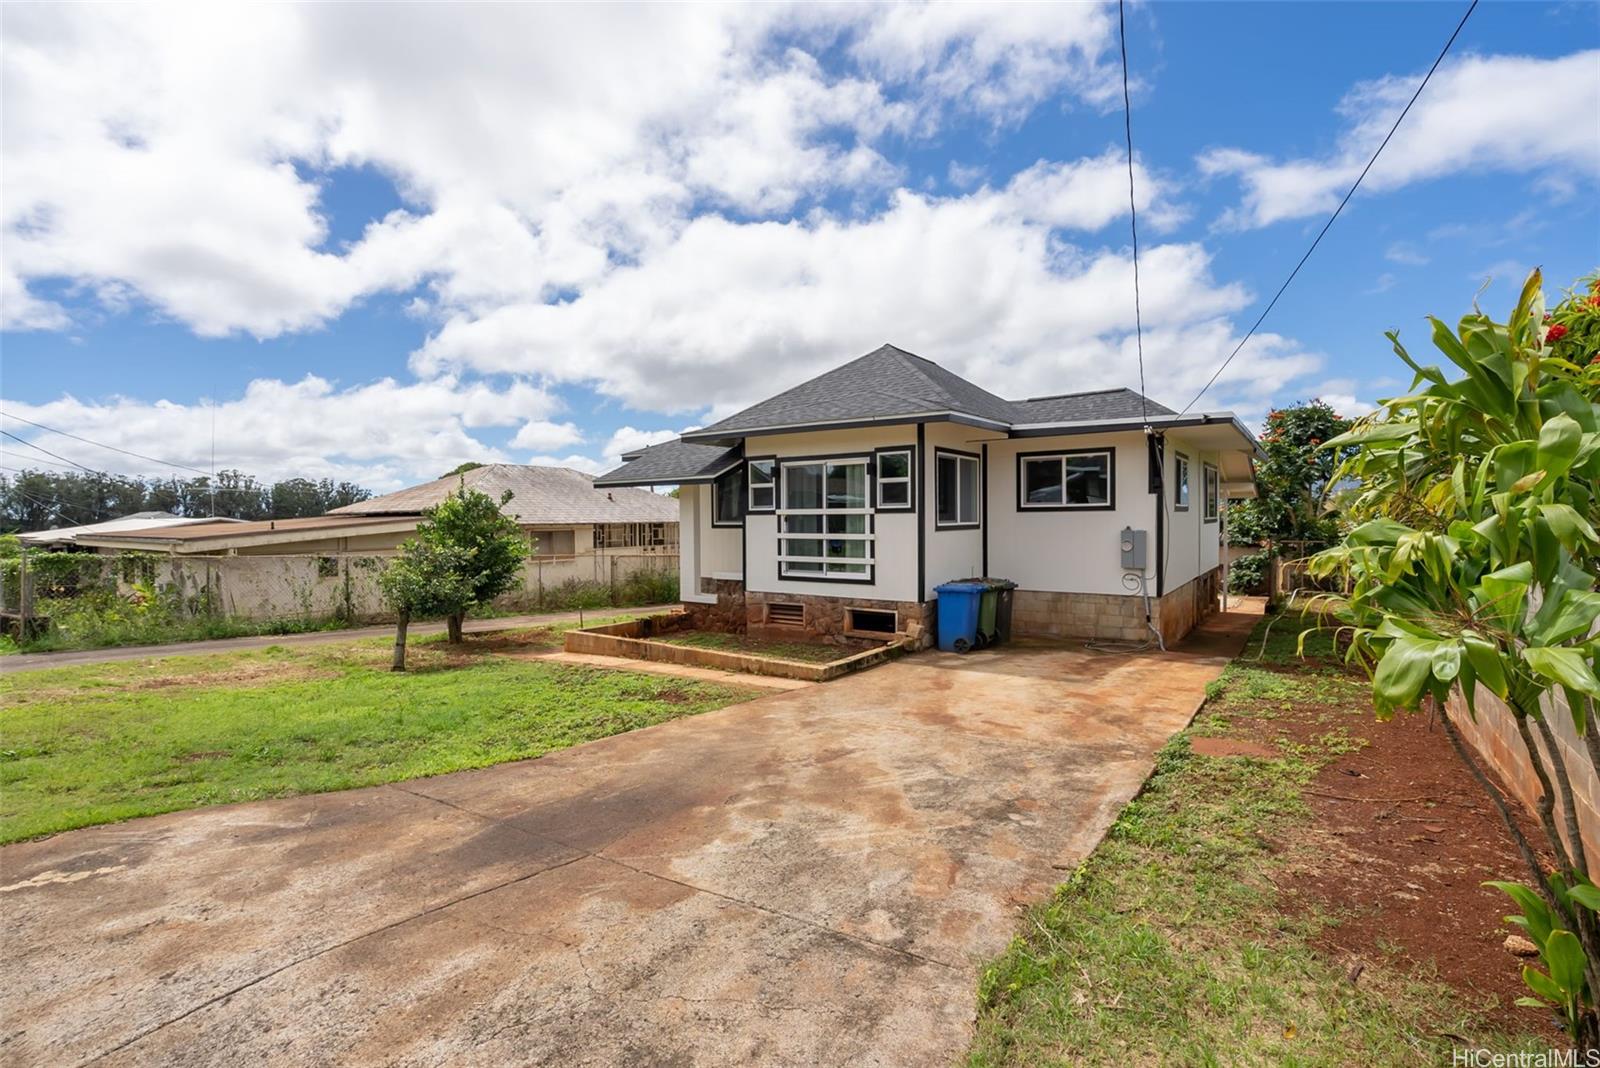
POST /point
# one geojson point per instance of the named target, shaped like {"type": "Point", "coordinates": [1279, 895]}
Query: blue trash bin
{"type": "Point", "coordinates": [958, 615]}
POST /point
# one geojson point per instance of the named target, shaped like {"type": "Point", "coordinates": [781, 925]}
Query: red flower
{"type": "Point", "coordinates": [1555, 333]}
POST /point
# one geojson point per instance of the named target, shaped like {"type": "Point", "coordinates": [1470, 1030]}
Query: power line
{"type": "Point", "coordinates": [1133, 212]}
{"type": "Point", "coordinates": [1404, 111]}
{"type": "Point", "coordinates": [113, 448]}
{"type": "Point", "coordinates": [47, 452]}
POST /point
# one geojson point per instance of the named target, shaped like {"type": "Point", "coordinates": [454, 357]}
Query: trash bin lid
{"type": "Point", "coordinates": [963, 586]}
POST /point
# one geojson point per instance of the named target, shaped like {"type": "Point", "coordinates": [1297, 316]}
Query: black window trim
{"type": "Point", "coordinates": [750, 508]}
{"type": "Point", "coordinates": [870, 578]}
{"type": "Point", "coordinates": [1183, 483]}
{"type": "Point", "coordinates": [1108, 451]}
{"type": "Point", "coordinates": [1213, 475]}
{"type": "Point", "coordinates": [736, 472]}
{"type": "Point", "coordinates": [911, 479]}
{"type": "Point", "coordinates": [977, 462]}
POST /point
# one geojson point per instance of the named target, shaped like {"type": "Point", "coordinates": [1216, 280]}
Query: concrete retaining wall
{"type": "Point", "coordinates": [1113, 616]}
{"type": "Point", "coordinates": [632, 639]}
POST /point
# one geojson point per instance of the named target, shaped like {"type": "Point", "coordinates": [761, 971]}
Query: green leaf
{"type": "Point", "coordinates": [1487, 661]}
{"type": "Point", "coordinates": [1366, 433]}
{"type": "Point", "coordinates": [1543, 985]}
{"type": "Point", "coordinates": [1565, 665]}
{"type": "Point", "coordinates": [1569, 615]}
{"type": "Point", "coordinates": [1558, 444]}
{"type": "Point", "coordinates": [1564, 954]}
{"type": "Point", "coordinates": [1585, 894]}
{"type": "Point", "coordinates": [1567, 523]}
{"type": "Point", "coordinates": [1402, 673]}
{"type": "Point", "coordinates": [1534, 910]}
{"type": "Point", "coordinates": [1446, 661]}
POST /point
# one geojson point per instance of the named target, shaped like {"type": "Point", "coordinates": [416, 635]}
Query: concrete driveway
{"type": "Point", "coordinates": [811, 878]}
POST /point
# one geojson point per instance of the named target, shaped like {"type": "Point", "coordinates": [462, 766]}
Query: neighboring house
{"type": "Point", "coordinates": [66, 537]}
{"type": "Point", "coordinates": [562, 511]}
{"type": "Point", "coordinates": [837, 506]}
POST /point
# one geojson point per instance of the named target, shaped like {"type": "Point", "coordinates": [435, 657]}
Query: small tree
{"type": "Point", "coordinates": [428, 578]}
{"type": "Point", "coordinates": [490, 547]}
{"type": "Point", "coordinates": [1295, 483]}
{"type": "Point", "coordinates": [1477, 566]}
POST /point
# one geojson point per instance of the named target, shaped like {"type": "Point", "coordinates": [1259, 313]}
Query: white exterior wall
{"type": "Point", "coordinates": [895, 533]}
{"type": "Point", "coordinates": [704, 551]}
{"type": "Point", "coordinates": [953, 554]}
{"type": "Point", "coordinates": [1193, 544]}
{"type": "Point", "coordinates": [1069, 551]}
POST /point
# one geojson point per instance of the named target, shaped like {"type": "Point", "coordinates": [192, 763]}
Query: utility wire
{"type": "Point", "coordinates": [113, 448]}
{"type": "Point", "coordinates": [1133, 212]}
{"type": "Point", "coordinates": [47, 452]}
{"type": "Point", "coordinates": [1404, 111]}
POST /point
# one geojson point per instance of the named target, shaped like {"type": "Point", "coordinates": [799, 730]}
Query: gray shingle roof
{"type": "Point", "coordinates": [884, 383]}
{"type": "Point", "coordinates": [540, 495]}
{"type": "Point", "coordinates": [890, 382]}
{"type": "Point", "coordinates": [672, 461]}
{"type": "Point", "coordinates": [1083, 407]}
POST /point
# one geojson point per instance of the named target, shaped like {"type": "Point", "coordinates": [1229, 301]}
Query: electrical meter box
{"type": "Point", "coordinates": [1133, 549]}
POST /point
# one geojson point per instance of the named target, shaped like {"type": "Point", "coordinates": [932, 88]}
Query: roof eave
{"type": "Point", "coordinates": [713, 436]}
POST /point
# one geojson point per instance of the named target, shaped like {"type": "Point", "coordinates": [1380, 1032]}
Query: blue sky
{"type": "Point", "coordinates": [377, 267]}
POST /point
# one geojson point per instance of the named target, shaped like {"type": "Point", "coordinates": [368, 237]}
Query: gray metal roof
{"type": "Point", "coordinates": [540, 495]}
{"type": "Point", "coordinates": [678, 462]}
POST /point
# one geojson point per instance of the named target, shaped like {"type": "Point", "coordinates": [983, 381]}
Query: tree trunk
{"type": "Point", "coordinates": [399, 662]}
{"type": "Point", "coordinates": [452, 626]}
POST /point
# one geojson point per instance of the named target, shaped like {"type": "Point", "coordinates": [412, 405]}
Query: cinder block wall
{"type": "Point", "coordinates": [1493, 733]}
{"type": "Point", "coordinates": [1114, 616]}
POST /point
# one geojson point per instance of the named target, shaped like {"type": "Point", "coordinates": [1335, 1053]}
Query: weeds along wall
{"type": "Point", "coordinates": [332, 586]}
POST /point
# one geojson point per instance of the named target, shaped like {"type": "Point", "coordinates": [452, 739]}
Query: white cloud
{"type": "Point", "coordinates": [383, 434]}
{"type": "Point", "coordinates": [1479, 113]}
{"type": "Point", "coordinates": [543, 435]}
{"type": "Point", "coordinates": [1406, 254]}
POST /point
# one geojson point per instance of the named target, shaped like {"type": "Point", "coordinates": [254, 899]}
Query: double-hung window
{"type": "Point", "coordinates": [1180, 482]}
{"type": "Point", "coordinates": [955, 490]}
{"type": "Point", "coordinates": [760, 475]}
{"type": "Point", "coordinates": [825, 524]}
{"type": "Point", "coordinates": [1078, 479]}
{"type": "Point", "coordinates": [1213, 493]}
{"type": "Point", "coordinates": [894, 480]}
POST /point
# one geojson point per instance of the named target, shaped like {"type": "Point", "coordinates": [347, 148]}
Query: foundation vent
{"type": "Point", "coordinates": [871, 622]}
{"type": "Point", "coordinates": [786, 614]}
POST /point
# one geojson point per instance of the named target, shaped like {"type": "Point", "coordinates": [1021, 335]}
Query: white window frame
{"type": "Point", "coordinates": [1064, 505]}
{"type": "Point", "coordinates": [1180, 482]}
{"type": "Point", "coordinates": [1213, 502]}
{"type": "Point", "coordinates": [959, 523]}
{"type": "Point", "coordinates": [867, 563]}
{"type": "Point", "coordinates": [908, 479]}
{"type": "Point", "coordinates": [751, 485]}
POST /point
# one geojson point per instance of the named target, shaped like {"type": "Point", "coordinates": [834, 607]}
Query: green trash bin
{"type": "Point", "coordinates": [988, 612]}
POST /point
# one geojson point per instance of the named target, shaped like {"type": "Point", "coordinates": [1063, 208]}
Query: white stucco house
{"type": "Point", "coordinates": [836, 507]}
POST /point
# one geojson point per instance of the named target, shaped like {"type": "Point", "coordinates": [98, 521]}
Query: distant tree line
{"type": "Point", "coordinates": [40, 500]}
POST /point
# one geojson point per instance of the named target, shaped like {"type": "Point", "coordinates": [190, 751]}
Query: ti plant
{"type": "Point", "coordinates": [1473, 569]}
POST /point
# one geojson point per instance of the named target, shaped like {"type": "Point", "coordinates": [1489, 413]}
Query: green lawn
{"type": "Point", "coordinates": [1167, 946]}
{"type": "Point", "coordinates": [105, 742]}
{"type": "Point", "coordinates": [806, 652]}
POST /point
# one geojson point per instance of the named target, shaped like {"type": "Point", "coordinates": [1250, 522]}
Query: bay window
{"type": "Point", "coordinates": [825, 524]}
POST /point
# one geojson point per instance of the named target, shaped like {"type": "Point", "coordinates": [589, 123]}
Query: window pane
{"type": "Point", "coordinates": [847, 524]}
{"type": "Point", "coordinates": [761, 497]}
{"type": "Point", "coordinates": [802, 486]}
{"type": "Point", "coordinates": [944, 489]}
{"type": "Point", "coordinates": [847, 569]}
{"type": "Point", "coordinates": [802, 547]}
{"type": "Point", "coordinates": [969, 490]}
{"type": "Point", "coordinates": [894, 464]}
{"type": "Point", "coordinates": [847, 485]}
{"type": "Point", "coordinates": [894, 494]}
{"type": "Point", "coordinates": [761, 472]}
{"type": "Point", "coordinates": [1181, 488]}
{"type": "Point", "coordinates": [1088, 479]}
{"type": "Point", "coordinates": [838, 549]}
{"type": "Point", "coordinates": [1041, 481]}
{"type": "Point", "coordinates": [803, 524]}
{"type": "Point", "coordinates": [812, 568]}
{"type": "Point", "coordinates": [725, 494]}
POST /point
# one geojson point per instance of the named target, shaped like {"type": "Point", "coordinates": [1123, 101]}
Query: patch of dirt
{"type": "Point", "coordinates": [242, 675]}
{"type": "Point", "coordinates": [513, 641]}
{"type": "Point", "coordinates": [672, 697]}
{"type": "Point", "coordinates": [1233, 747]}
{"type": "Point", "coordinates": [205, 754]}
{"type": "Point", "coordinates": [1400, 842]}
